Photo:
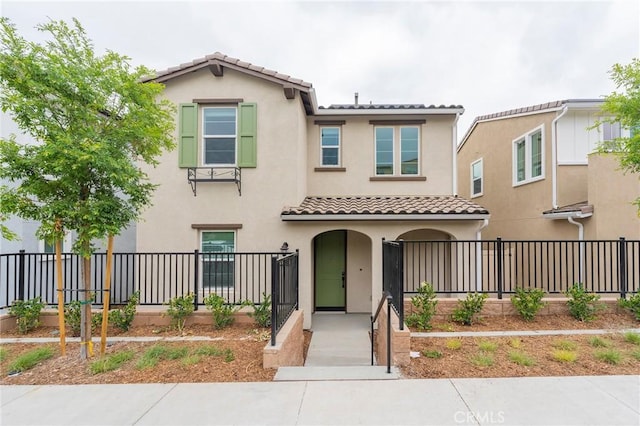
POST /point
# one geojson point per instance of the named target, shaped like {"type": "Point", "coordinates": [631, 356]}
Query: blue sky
{"type": "Point", "coordinates": [486, 56]}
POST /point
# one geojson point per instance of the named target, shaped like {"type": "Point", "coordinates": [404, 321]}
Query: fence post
{"type": "Point", "coordinates": [499, 265]}
{"type": "Point", "coordinates": [388, 334]}
{"type": "Point", "coordinates": [622, 272]}
{"type": "Point", "coordinates": [400, 292]}
{"type": "Point", "coordinates": [21, 268]}
{"type": "Point", "coordinates": [297, 278]}
{"type": "Point", "coordinates": [274, 298]}
{"type": "Point", "coordinates": [196, 278]}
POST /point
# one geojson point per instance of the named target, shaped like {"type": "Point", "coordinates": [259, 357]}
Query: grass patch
{"type": "Point", "coordinates": [156, 353]}
{"type": "Point", "coordinates": [521, 358]}
{"type": "Point", "coordinates": [4, 353]}
{"type": "Point", "coordinates": [563, 355]}
{"type": "Point", "coordinates": [191, 360]}
{"type": "Point", "coordinates": [209, 350]}
{"type": "Point", "coordinates": [30, 359]}
{"type": "Point", "coordinates": [453, 344]}
{"type": "Point", "coordinates": [610, 356]}
{"type": "Point", "coordinates": [565, 345]}
{"type": "Point", "coordinates": [228, 355]}
{"type": "Point", "coordinates": [598, 342]}
{"type": "Point", "coordinates": [487, 346]}
{"type": "Point", "coordinates": [111, 362]}
{"type": "Point", "coordinates": [631, 337]}
{"type": "Point", "coordinates": [482, 360]}
{"type": "Point", "coordinates": [636, 354]}
{"type": "Point", "coordinates": [432, 354]}
{"type": "Point", "coordinates": [515, 343]}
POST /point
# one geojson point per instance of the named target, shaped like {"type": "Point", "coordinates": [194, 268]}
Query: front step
{"type": "Point", "coordinates": [292, 374]}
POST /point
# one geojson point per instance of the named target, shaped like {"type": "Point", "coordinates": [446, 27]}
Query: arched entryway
{"type": "Point", "coordinates": [342, 271]}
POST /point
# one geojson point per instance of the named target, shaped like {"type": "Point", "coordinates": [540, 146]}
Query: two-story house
{"type": "Point", "coordinates": [535, 168]}
{"type": "Point", "coordinates": [259, 163]}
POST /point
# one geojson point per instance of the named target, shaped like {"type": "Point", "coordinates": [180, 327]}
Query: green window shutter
{"type": "Point", "coordinates": [247, 134]}
{"type": "Point", "coordinates": [188, 135]}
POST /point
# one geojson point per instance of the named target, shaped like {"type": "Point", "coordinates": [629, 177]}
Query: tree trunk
{"type": "Point", "coordinates": [85, 310]}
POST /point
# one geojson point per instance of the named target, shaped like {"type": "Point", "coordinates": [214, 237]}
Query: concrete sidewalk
{"type": "Point", "coordinates": [600, 400]}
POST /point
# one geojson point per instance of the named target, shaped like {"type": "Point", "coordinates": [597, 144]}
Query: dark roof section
{"type": "Point", "coordinates": [386, 205]}
{"type": "Point", "coordinates": [389, 106]}
{"type": "Point", "coordinates": [218, 58]}
{"type": "Point", "coordinates": [581, 207]}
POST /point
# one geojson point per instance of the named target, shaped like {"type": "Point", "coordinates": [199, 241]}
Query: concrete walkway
{"type": "Point", "coordinates": [339, 339]}
{"type": "Point", "coordinates": [601, 400]}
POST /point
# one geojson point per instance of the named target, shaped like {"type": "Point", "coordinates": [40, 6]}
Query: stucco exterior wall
{"type": "Point", "coordinates": [572, 184]}
{"type": "Point", "coordinates": [611, 192]}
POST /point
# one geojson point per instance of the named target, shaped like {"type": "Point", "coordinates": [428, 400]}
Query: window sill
{"type": "Point", "coordinates": [330, 169]}
{"type": "Point", "coordinates": [398, 178]}
{"type": "Point", "coordinates": [478, 195]}
{"type": "Point", "coordinates": [525, 182]}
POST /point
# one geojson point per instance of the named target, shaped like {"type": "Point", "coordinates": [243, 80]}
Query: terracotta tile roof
{"type": "Point", "coordinates": [385, 205]}
{"type": "Point", "coordinates": [389, 106]}
{"type": "Point", "coordinates": [224, 60]}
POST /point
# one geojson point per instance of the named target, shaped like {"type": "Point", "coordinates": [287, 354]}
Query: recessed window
{"type": "Point", "coordinates": [218, 262]}
{"type": "Point", "coordinates": [219, 136]}
{"type": "Point", "coordinates": [476, 178]}
{"type": "Point", "coordinates": [397, 151]}
{"type": "Point", "coordinates": [330, 146]}
{"type": "Point", "coordinates": [50, 247]}
{"type": "Point", "coordinates": [611, 131]}
{"type": "Point", "coordinates": [528, 157]}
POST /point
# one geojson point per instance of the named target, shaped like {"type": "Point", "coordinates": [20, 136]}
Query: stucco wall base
{"type": "Point", "coordinates": [400, 340]}
{"type": "Point", "coordinates": [504, 307]}
{"type": "Point", "coordinates": [289, 348]}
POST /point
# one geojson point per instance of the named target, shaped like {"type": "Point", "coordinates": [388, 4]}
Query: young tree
{"type": "Point", "coordinates": [623, 106]}
{"type": "Point", "coordinates": [94, 121]}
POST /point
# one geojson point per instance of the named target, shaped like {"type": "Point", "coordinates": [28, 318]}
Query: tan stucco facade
{"type": "Point", "coordinates": [288, 150]}
{"type": "Point", "coordinates": [517, 210]}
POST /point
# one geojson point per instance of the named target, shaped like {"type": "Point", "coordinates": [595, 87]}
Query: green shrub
{"type": "Point", "coordinates": [435, 354]}
{"type": "Point", "coordinates": [30, 359]}
{"type": "Point", "coordinates": [565, 345]}
{"type": "Point", "coordinates": [425, 304]}
{"type": "Point", "coordinates": [73, 317]}
{"type": "Point", "coordinates": [636, 354]}
{"type": "Point", "coordinates": [631, 337]}
{"type": "Point", "coordinates": [521, 358]}
{"type": "Point", "coordinates": [262, 312]}
{"type": "Point", "coordinates": [228, 355]}
{"type": "Point", "coordinates": [598, 342]}
{"type": "Point", "coordinates": [515, 343]}
{"type": "Point", "coordinates": [610, 356]}
{"type": "Point", "coordinates": [583, 306]}
{"type": "Point", "coordinates": [123, 317]}
{"type": "Point", "coordinates": [222, 312]}
{"type": "Point", "coordinates": [467, 310]}
{"type": "Point", "coordinates": [482, 360]}
{"type": "Point", "coordinates": [632, 304]}
{"type": "Point", "coordinates": [528, 302]}
{"type": "Point", "coordinates": [487, 346]}
{"type": "Point", "coordinates": [27, 313]}
{"type": "Point", "coordinates": [453, 344]}
{"type": "Point", "coordinates": [4, 353]}
{"type": "Point", "coordinates": [111, 362]}
{"type": "Point", "coordinates": [180, 307]}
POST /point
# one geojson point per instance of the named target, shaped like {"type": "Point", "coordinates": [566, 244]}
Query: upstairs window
{"type": "Point", "coordinates": [528, 157]}
{"type": "Point", "coordinates": [219, 136]}
{"type": "Point", "coordinates": [611, 131]}
{"type": "Point", "coordinates": [330, 146]}
{"type": "Point", "coordinates": [397, 151]}
{"type": "Point", "coordinates": [476, 178]}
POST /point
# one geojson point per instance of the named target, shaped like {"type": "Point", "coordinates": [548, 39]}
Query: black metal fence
{"type": "Point", "coordinates": [393, 275]}
{"type": "Point", "coordinates": [159, 277]}
{"type": "Point", "coordinates": [500, 266]}
{"type": "Point", "coordinates": [284, 291]}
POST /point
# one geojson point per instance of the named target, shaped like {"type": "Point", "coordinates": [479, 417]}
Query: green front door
{"type": "Point", "coordinates": [330, 265]}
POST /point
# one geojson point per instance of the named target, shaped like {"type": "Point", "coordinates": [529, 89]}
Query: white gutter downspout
{"type": "Point", "coordinates": [485, 223]}
{"type": "Point", "coordinates": [454, 153]}
{"type": "Point", "coordinates": [581, 238]}
{"type": "Point", "coordinates": [554, 158]}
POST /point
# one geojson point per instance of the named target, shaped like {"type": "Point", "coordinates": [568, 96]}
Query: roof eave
{"type": "Point", "coordinates": [379, 217]}
{"type": "Point", "coordinates": [565, 215]}
{"type": "Point", "coordinates": [421, 111]}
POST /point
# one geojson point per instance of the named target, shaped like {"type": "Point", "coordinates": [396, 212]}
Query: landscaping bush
{"type": "Point", "coordinates": [262, 312]}
{"type": "Point", "coordinates": [180, 307]}
{"type": "Point", "coordinates": [583, 306]}
{"type": "Point", "coordinates": [528, 302]}
{"type": "Point", "coordinates": [122, 318]}
{"type": "Point", "coordinates": [73, 316]}
{"type": "Point", "coordinates": [425, 304]}
{"type": "Point", "coordinates": [27, 313]}
{"type": "Point", "coordinates": [468, 309]}
{"type": "Point", "coordinates": [222, 311]}
{"type": "Point", "coordinates": [632, 304]}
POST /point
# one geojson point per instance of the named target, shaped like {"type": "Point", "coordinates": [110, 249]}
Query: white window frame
{"type": "Point", "coordinates": [205, 136]}
{"type": "Point", "coordinates": [338, 147]}
{"type": "Point", "coordinates": [474, 194]}
{"type": "Point", "coordinates": [528, 156]}
{"type": "Point", "coordinates": [225, 289]}
{"type": "Point", "coordinates": [396, 151]}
